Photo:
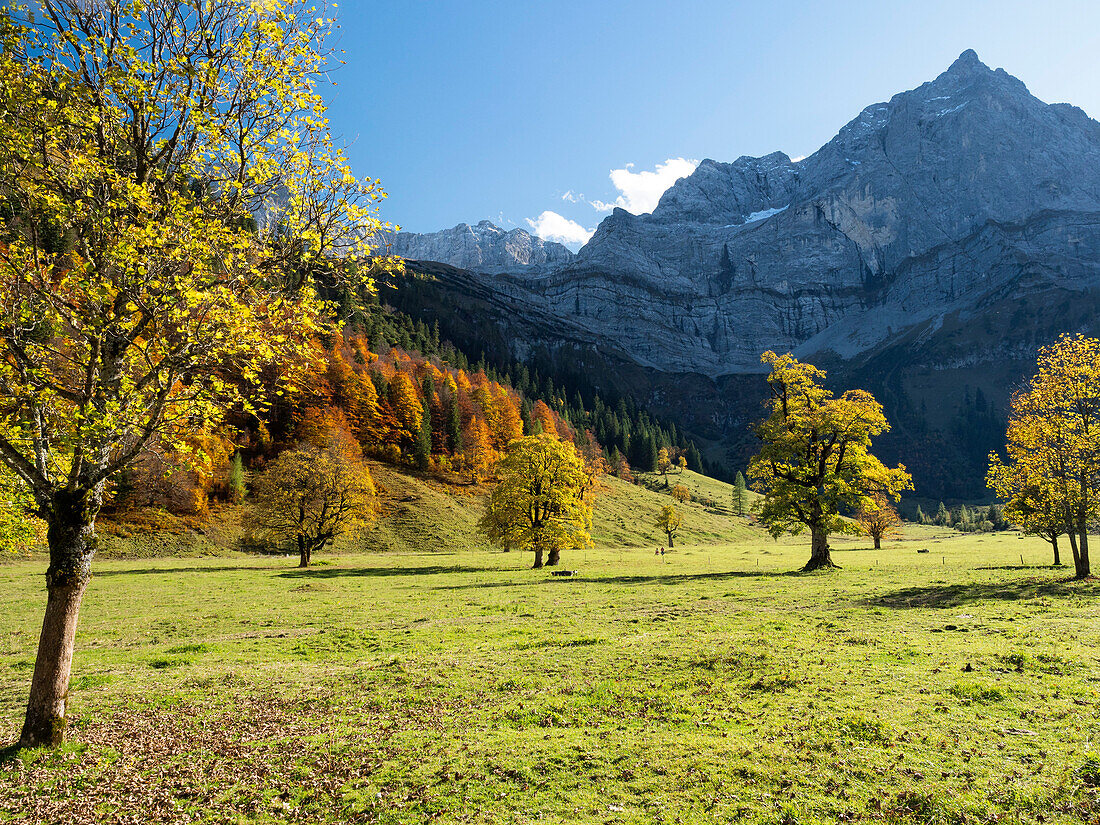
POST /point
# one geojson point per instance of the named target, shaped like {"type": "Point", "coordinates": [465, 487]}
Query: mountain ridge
{"type": "Point", "coordinates": [483, 247]}
{"type": "Point", "coordinates": [929, 248]}
{"type": "Point", "coordinates": [804, 247]}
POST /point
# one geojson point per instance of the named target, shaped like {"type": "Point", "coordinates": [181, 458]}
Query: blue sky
{"type": "Point", "coordinates": [508, 110]}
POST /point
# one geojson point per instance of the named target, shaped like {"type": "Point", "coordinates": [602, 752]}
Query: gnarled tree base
{"type": "Point", "coordinates": [820, 564]}
{"type": "Point", "coordinates": [820, 558]}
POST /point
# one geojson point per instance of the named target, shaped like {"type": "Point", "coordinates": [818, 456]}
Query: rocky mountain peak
{"type": "Point", "coordinates": [917, 205]}
{"type": "Point", "coordinates": [484, 247]}
{"type": "Point", "coordinates": [967, 62]}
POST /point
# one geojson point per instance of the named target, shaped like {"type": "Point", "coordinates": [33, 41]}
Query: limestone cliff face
{"type": "Point", "coordinates": [481, 248]}
{"type": "Point", "coordinates": [928, 249]}
{"type": "Point", "coordinates": [964, 190]}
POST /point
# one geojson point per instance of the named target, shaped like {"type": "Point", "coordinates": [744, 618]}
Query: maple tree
{"type": "Point", "coordinates": [170, 192]}
{"type": "Point", "coordinates": [316, 492]}
{"type": "Point", "coordinates": [667, 466]}
{"type": "Point", "coordinates": [543, 417]}
{"type": "Point", "coordinates": [878, 518]}
{"type": "Point", "coordinates": [479, 453]}
{"type": "Point", "coordinates": [681, 493]}
{"type": "Point", "coordinates": [542, 502]}
{"type": "Point", "coordinates": [815, 460]}
{"type": "Point", "coordinates": [669, 520]}
{"type": "Point", "coordinates": [1052, 478]}
{"type": "Point", "coordinates": [406, 405]}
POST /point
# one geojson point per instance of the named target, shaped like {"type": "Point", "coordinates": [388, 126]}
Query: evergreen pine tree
{"type": "Point", "coordinates": [739, 494]}
{"type": "Point", "coordinates": [235, 480]}
{"type": "Point", "coordinates": [964, 521]}
{"type": "Point", "coordinates": [694, 458]}
{"type": "Point", "coordinates": [453, 422]}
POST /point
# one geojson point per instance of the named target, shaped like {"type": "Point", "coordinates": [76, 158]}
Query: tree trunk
{"type": "Point", "coordinates": [1081, 561]}
{"type": "Point", "coordinates": [670, 541]}
{"type": "Point", "coordinates": [1073, 547]}
{"type": "Point", "coordinates": [819, 550]}
{"type": "Point", "coordinates": [1054, 544]}
{"type": "Point", "coordinates": [303, 552]}
{"type": "Point", "coordinates": [878, 541]}
{"type": "Point", "coordinates": [554, 557]}
{"type": "Point", "coordinates": [538, 558]}
{"type": "Point", "coordinates": [71, 538]}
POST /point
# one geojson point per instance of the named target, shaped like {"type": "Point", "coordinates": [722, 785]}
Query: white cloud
{"type": "Point", "coordinates": [798, 159]}
{"type": "Point", "coordinates": [640, 191]}
{"type": "Point", "coordinates": [550, 226]}
{"type": "Point", "coordinates": [570, 197]}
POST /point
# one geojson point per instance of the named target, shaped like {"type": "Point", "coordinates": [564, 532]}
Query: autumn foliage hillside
{"type": "Point", "coordinates": [432, 428]}
{"type": "Point", "coordinates": [407, 409]}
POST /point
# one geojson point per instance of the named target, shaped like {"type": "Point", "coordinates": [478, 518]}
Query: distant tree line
{"type": "Point", "coordinates": [973, 519]}
{"type": "Point", "coordinates": [620, 426]}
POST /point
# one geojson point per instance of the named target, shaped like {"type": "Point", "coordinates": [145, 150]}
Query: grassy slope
{"type": "Point", "coordinates": [421, 514]}
{"type": "Point", "coordinates": [424, 514]}
{"type": "Point", "coordinates": [702, 686]}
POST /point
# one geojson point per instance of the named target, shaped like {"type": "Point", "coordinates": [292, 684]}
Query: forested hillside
{"type": "Point", "coordinates": [412, 401]}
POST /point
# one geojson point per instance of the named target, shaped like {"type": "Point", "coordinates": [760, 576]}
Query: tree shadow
{"type": "Point", "coordinates": [669, 579]}
{"type": "Point", "coordinates": [145, 571]}
{"type": "Point", "coordinates": [378, 572]}
{"type": "Point", "coordinates": [680, 578]}
{"type": "Point", "coordinates": [9, 753]}
{"type": "Point", "coordinates": [956, 595]}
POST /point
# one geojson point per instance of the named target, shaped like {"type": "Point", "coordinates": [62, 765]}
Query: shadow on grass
{"type": "Point", "coordinates": [8, 753]}
{"type": "Point", "coordinates": [379, 572]}
{"type": "Point", "coordinates": [954, 595]}
{"type": "Point", "coordinates": [144, 571]}
{"type": "Point", "coordinates": [672, 578]}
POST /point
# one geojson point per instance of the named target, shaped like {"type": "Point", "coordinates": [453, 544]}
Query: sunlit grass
{"type": "Point", "coordinates": [710, 684]}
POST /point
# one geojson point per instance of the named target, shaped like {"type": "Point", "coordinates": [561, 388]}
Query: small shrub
{"type": "Point", "coordinates": [773, 684]}
{"type": "Point", "coordinates": [165, 662]}
{"type": "Point", "coordinates": [1089, 771]}
{"type": "Point", "coordinates": [977, 692]}
{"type": "Point", "coordinates": [864, 729]}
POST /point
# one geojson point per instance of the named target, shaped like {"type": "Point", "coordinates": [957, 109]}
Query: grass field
{"type": "Point", "coordinates": [955, 686]}
{"type": "Point", "coordinates": [419, 513]}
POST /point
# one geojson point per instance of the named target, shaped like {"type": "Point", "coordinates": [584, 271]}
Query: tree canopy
{"type": "Point", "coordinates": [669, 520]}
{"type": "Point", "coordinates": [170, 194]}
{"type": "Point", "coordinates": [878, 518]}
{"type": "Point", "coordinates": [1052, 478]}
{"type": "Point", "coordinates": [815, 461]}
{"type": "Point", "coordinates": [543, 500]}
{"type": "Point", "coordinates": [315, 493]}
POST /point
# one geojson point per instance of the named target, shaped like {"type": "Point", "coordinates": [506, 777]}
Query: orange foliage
{"type": "Point", "coordinates": [479, 453]}
{"type": "Point", "coordinates": [405, 401]}
{"type": "Point", "coordinates": [544, 416]}
{"type": "Point", "coordinates": [342, 393]}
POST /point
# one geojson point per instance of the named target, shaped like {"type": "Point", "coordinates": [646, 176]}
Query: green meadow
{"type": "Point", "coordinates": [708, 685]}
